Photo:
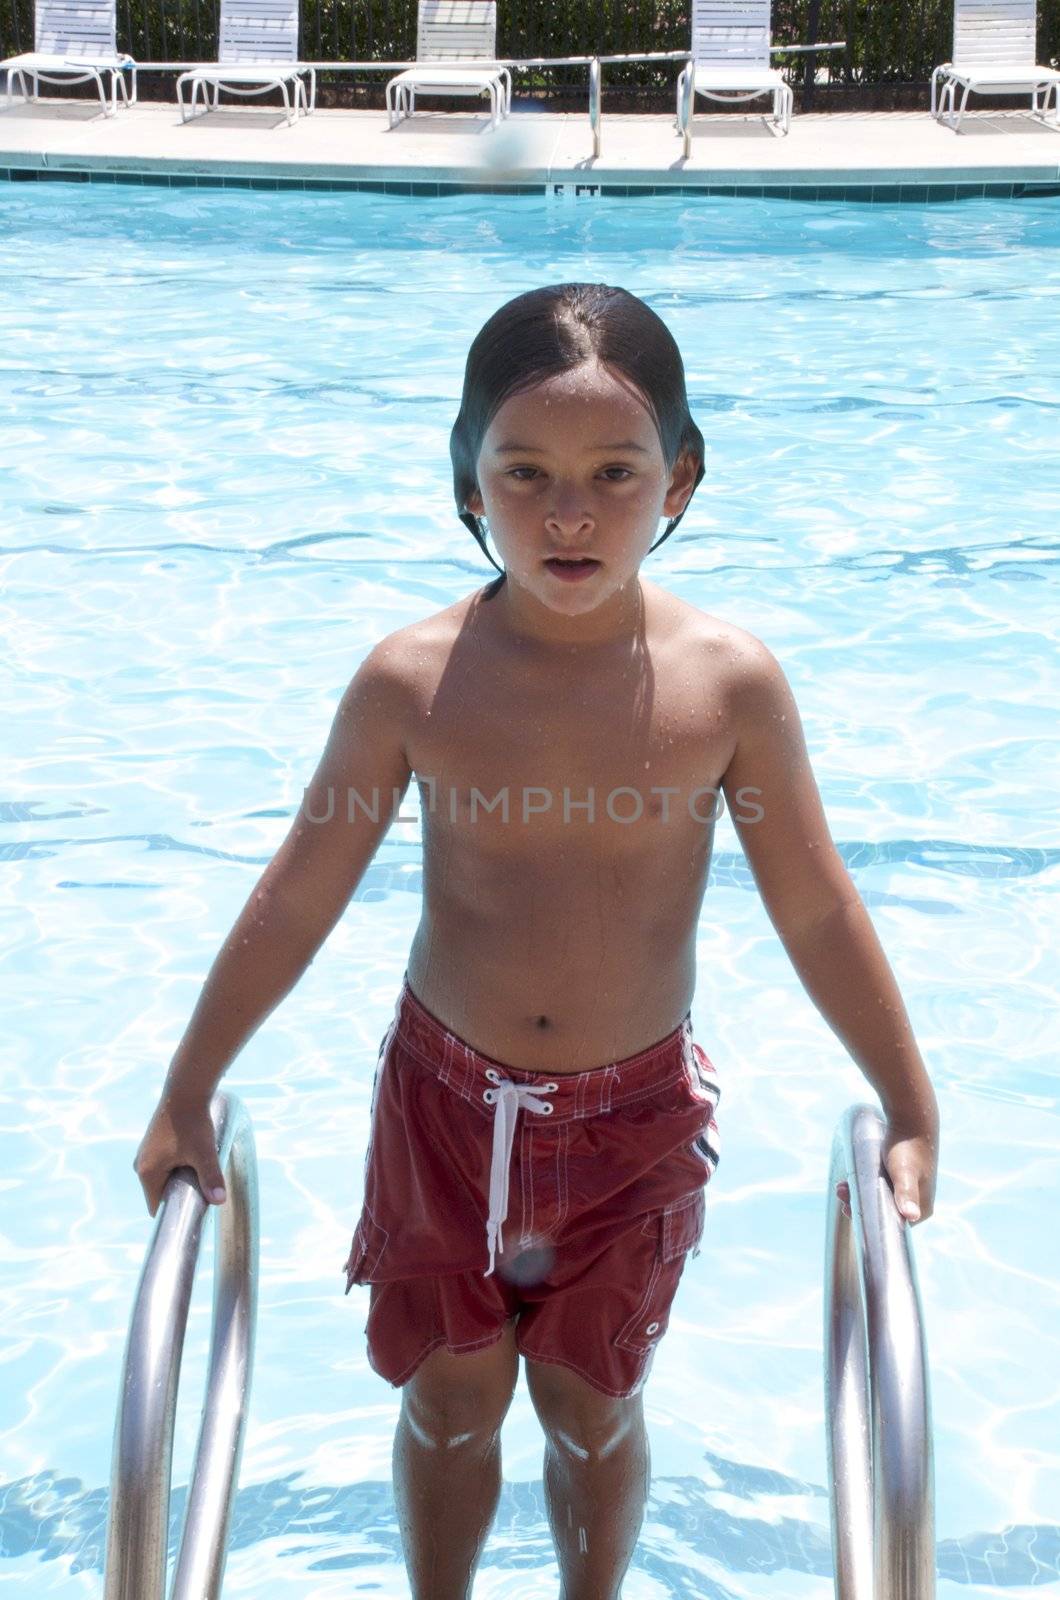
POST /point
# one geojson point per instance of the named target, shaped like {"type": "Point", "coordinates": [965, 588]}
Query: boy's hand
{"type": "Point", "coordinates": [179, 1135]}
{"type": "Point", "coordinates": [910, 1158]}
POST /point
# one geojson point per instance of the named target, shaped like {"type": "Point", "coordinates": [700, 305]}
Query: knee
{"type": "Point", "coordinates": [454, 1418]}
{"type": "Point", "coordinates": [582, 1424]}
{"type": "Point", "coordinates": [590, 1439]}
{"type": "Point", "coordinates": [446, 1408]}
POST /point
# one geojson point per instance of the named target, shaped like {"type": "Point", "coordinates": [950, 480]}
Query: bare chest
{"type": "Point", "coordinates": [624, 763]}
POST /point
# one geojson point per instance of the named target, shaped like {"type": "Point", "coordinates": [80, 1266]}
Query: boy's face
{"type": "Point", "coordinates": [574, 466]}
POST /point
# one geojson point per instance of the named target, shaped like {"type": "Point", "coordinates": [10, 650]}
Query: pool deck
{"type": "Point", "coordinates": [898, 154]}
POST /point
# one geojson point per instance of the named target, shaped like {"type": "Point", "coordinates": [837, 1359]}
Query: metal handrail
{"type": "Point", "coordinates": [138, 1523]}
{"type": "Point", "coordinates": [877, 1398]}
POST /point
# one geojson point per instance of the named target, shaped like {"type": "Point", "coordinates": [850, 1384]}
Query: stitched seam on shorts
{"type": "Point", "coordinates": [371, 1266]}
{"type": "Point", "coordinates": [560, 1361]}
{"type": "Point", "coordinates": [651, 1089]}
{"type": "Point", "coordinates": [407, 1371]}
{"type": "Point", "coordinates": [474, 1344]}
{"type": "Point", "coordinates": [621, 1335]}
{"type": "Point", "coordinates": [444, 1076]}
{"type": "Point", "coordinates": [526, 1162]}
{"type": "Point", "coordinates": [562, 1174]}
{"type": "Point", "coordinates": [575, 1113]}
{"type": "Point", "coordinates": [673, 1221]}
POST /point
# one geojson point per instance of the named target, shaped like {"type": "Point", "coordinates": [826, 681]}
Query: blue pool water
{"type": "Point", "coordinates": [224, 426]}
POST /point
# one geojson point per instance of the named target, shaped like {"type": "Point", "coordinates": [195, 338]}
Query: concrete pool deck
{"type": "Point", "coordinates": [884, 155]}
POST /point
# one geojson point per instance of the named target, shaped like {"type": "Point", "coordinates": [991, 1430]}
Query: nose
{"type": "Point", "coordinates": [567, 515]}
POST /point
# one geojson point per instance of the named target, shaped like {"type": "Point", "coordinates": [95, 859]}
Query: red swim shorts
{"type": "Point", "coordinates": [566, 1203]}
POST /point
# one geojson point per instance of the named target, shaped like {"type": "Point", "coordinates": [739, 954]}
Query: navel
{"type": "Point", "coordinates": [543, 1022]}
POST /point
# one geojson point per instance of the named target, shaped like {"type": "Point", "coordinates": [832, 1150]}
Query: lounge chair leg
{"type": "Point", "coordinates": [688, 110]}
{"type": "Point", "coordinates": [964, 102]}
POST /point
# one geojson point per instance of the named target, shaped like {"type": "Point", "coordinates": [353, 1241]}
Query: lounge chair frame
{"type": "Point", "coordinates": [74, 42]}
{"type": "Point", "coordinates": [730, 62]}
{"type": "Point", "coordinates": [994, 46]}
{"type": "Point", "coordinates": [257, 51]}
{"type": "Point", "coordinates": [456, 43]}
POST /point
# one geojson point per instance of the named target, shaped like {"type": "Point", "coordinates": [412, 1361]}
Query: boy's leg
{"type": "Point", "coordinates": [597, 1472]}
{"type": "Point", "coordinates": [447, 1465]}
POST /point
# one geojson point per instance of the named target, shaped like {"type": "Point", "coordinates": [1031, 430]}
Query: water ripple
{"type": "Point", "coordinates": [55, 1518]}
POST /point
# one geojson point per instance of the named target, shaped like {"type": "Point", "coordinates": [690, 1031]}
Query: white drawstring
{"type": "Point", "coordinates": [508, 1097]}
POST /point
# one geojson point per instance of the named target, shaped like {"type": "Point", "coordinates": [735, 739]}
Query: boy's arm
{"type": "Point", "coordinates": [305, 888]}
{"type": "Point", "coordinates": [811, 901]}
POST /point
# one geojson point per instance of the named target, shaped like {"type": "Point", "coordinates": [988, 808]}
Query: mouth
{"type": "Point", "coordinates": [572, 567]}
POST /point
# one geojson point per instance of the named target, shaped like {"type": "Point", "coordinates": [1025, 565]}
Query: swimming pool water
{"type": "Point", "coordinates": [224, 430]}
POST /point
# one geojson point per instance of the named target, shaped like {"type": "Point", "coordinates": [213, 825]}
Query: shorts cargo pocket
{"type": "Point", "coordinates": [366, 1252]}
{"type": "Point", "coordinates": [677, 1228]}
{"type": "Point", "coordinates": [682, 1225]}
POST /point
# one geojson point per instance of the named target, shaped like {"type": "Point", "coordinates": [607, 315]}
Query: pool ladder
{"type": "Point", "coordinates": [877, 1398]}
{"type": "Point", "coordinates": [877, 1402]}
{"type": "Point", "coordinates": [138, 1524]}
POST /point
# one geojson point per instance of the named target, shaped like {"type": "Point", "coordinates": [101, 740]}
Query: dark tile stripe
{"type": "Point", "coordinates": [877, 194]}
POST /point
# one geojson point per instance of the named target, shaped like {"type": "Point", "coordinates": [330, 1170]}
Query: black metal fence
{"type": "Point", "coordinates": [890, 47]}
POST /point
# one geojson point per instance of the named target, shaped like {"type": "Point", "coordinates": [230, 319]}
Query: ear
{"type": "Point", "coordinates": [682, 482]}
{"type": "Point", "coordinates": [474, 503]}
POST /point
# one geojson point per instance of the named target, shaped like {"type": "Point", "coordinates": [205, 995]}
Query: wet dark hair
{"type": "Point", "coordinates": [548, 331]}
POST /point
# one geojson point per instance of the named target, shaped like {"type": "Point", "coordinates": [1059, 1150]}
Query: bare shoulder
{"type": "Point", "coordinates": [411, 657]}
{"type": "Point", "coordinates": [734, 658]}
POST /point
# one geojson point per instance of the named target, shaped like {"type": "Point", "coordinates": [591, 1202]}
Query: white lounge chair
{"type": "Point", "coordinates": [257, 51]}
{"type": "Point", "coordinates": [455, 41]}
{"type": "Point", "coordinates": [994, 46]}
{"type": "Point", "coordinates": [74, 42]}
{"type": "Point", "coordinates": [730, 61]}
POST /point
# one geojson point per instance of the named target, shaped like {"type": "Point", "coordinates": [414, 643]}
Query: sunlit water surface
{"type": "Point", "coordinates": [224, 471]}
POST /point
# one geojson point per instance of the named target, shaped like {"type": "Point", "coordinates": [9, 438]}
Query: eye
{"type": "Point", "coordinates": [515, 471]}
{"type": "Point", "coordinates": [625, 471]}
